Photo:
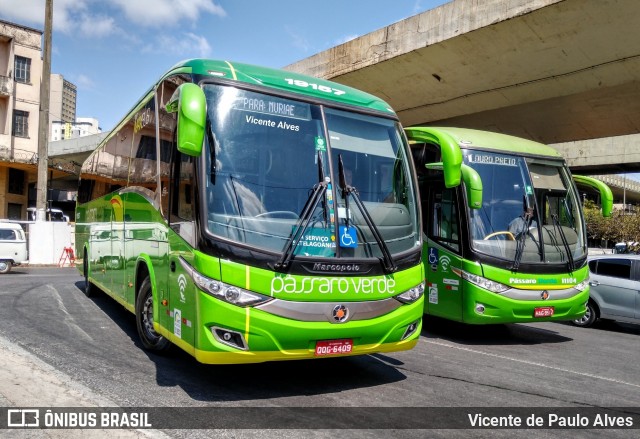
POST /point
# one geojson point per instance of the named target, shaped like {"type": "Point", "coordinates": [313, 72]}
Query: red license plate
{"type": "Point", "coordinates": [333, 347]}
{"type": "Point", "coordinates": [545, 311]}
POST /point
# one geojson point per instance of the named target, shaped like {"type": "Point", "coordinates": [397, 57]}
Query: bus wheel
{"type": "Point", "coordinates": [5, 267]}
{"type": "Point", "coordinates": [151, 340]}
{"type": "Point", "coordinates": [88, 288]}
{"type": "Point", "coordinates": [589, 317]}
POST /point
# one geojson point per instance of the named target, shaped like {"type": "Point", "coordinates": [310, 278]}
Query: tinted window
{"type": "Point", "coordinates": [8, 235]}
{"type": "Point", "coordinates": [444, 219]}
{"type": "Point", "coordinates": [615, 268]}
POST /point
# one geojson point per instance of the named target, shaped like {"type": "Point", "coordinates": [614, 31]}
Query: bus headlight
{"type": "Point", "coordinates": [229, 293]}
{"type": "Point", "coordinates": [412, 294]}
{"type": "Point", "coordinates": [493, 286]}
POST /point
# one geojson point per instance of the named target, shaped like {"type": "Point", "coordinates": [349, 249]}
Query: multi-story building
{"type": "Point", "coordinates": [62, 101]}
{"type": "Point", "coordinates": [20, 77]}
{"type": "Point", "coordinates": [83, 126]}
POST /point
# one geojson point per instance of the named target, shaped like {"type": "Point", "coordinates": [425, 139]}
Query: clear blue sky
{"type": "Point", "coordinates": [113, 50]}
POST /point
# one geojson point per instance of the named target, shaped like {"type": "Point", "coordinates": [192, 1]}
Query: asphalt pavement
{"type": "Point", "coordinates": [26, 381]}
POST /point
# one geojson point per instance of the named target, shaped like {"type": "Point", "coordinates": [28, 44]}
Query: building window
{"type": "Point", "coordinates": [16, 181]}
{"type": "Point", "coordinates": [14, 211]}
{"type": "Point", "coordinates": [20, 123]}
{"type": "Point", "coordinates": [23, 69]}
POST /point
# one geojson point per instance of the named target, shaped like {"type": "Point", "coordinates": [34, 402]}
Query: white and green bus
{"type": "Point", "coordinates": [505, 238]}
{"type": "Point", "coordinates": [247, 214]}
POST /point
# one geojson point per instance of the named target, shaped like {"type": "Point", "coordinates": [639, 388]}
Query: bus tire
{"type": "Point", "coordinates": [150, 339]}
{"type": "Point", "coordinates": [88, 287]}
{"type": "Point", "coordinates": [5, 266]}
{"type": "Point", "coordinates": [589, 318]}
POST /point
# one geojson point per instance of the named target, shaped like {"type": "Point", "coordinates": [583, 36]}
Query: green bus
{"type": "Point", "coordinates": [504, 231]}
{"type": "Point", "coordinates": [247, 214]}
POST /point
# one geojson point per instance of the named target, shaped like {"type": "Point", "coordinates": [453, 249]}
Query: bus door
{"type": "Point", "coordinates": [442, 252]}
{"type": "Point", "coordinates": [116, 264]}
{"type": "Point", "coordinates": [107, 245]}
{"type": "Point", "coordinates": [180, 243]}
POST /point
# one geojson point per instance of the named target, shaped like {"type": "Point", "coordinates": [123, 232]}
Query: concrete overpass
{"type": "Point", "coordinates": [561, 72]}
{"type": "Point", "coordinates": [71, 153]}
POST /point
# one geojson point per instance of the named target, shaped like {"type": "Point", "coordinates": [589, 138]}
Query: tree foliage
{"type": "Point", "coordinates": [619, 227]}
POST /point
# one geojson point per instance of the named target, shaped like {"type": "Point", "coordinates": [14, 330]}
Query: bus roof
{"type": "Point", "coordinates": [300, 84]}
{"type": "Point", "coordinates": [468, 138]}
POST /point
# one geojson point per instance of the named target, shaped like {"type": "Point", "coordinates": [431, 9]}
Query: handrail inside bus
{"type": "Point", "coordinates": [449, 148]}
{"type": "Point", "coordinates": [606, 196]}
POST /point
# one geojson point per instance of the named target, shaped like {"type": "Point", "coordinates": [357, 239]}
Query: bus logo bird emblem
{"type": "Point", "coordinates": [340, 313]}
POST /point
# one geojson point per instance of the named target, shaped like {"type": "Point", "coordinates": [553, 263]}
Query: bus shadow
{"type": "Point", "coordinates": [245, 382]}
{"type": "Point", "coordinates": [611, 326]}
{"type": "Point", "coordinates": [501, 334]}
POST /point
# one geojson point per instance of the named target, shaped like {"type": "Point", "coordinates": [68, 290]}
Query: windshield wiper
{"type": "Point", "coordinates": [521, 240]}
{"type": "Point", "coordinates": [388, 263]}
{"type": "Point", "coordinates": [318, 193]}
{"type": "Point", "coordinates": [565, 243]}
{"type": "Point", "coordinates": [568, 211]}
{"type": "Point", "coordinates": [212, 150]}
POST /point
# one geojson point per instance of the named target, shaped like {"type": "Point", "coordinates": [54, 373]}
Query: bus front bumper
{"type": "Point", "coordinates": [485, 307]}
{"type": "Point", "coordinates": [257, 336]}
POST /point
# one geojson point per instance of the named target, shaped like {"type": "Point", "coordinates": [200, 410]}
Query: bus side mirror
{"type": "Point", "coordinates": [190, 104]}
{"type": "Point", "coordinates": [606, 197]}
{"type": "Point", "coordinates": [449, 148]}
{"type": "Point", "coordinates": [472, 183]}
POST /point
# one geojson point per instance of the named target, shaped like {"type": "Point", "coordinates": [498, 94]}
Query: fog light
{"type": "Point", "coordinates": [410, 329]}
{"type": "Point", "coordinates": [479, 308]}
{"type": "Point", "coordinates": [230, 338]}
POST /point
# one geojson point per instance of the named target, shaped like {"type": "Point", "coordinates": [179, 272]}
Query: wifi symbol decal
{"type": "Point", "coordinates": [182, 284]}
{"type": "Point", "coordinates": [445, 261]}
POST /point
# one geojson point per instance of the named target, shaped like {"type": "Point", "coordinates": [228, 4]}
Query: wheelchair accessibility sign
{"type": "Point", "coordinates": [348, 237]}
{"type": "Point", "coordinates": [433, 256]}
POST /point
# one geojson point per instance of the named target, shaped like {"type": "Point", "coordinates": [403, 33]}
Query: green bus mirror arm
{"type": "Point", "coordinates": [606, 197]}
{"type": "Point", "coordinates": [190, 104]}
{"type": "Point", "coordinates": [451, 154]}
{"type": "Point", "coordinates": [473, 185]}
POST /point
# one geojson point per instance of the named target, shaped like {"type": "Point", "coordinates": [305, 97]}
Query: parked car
{"type": "Point", "coordinates": [615, 289]}
{"type": "Point", "coordinates": [13, 246]}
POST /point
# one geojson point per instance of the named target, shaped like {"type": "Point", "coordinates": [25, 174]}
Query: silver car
{"type": "Point", "coordinates": [615, 289]}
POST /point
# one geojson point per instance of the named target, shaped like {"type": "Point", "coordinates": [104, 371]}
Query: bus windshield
{"type": "Point", "coordinates": [530, 211]}
{"type": "Point", "coordinates": [264, 156]}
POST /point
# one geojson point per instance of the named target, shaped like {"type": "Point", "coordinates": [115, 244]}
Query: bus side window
{"type": "Point", "coordinates": [444, 219]}
{"type": "Point", "coordinates": [143, 168]}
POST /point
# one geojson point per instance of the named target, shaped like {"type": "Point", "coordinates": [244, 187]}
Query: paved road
{"type": "Point", "coordinates": [78, 351]}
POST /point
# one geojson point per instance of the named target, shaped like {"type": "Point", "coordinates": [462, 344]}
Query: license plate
{"type": "Point", "coordinates": [545, 311]}
{"type": "Point", "coordinates": [333, 347]}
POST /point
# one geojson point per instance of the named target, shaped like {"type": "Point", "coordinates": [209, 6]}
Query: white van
{"type": "Point", "coordinates": [13, 246]}
{"type": "Point", "coordinates": [52, 214]}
